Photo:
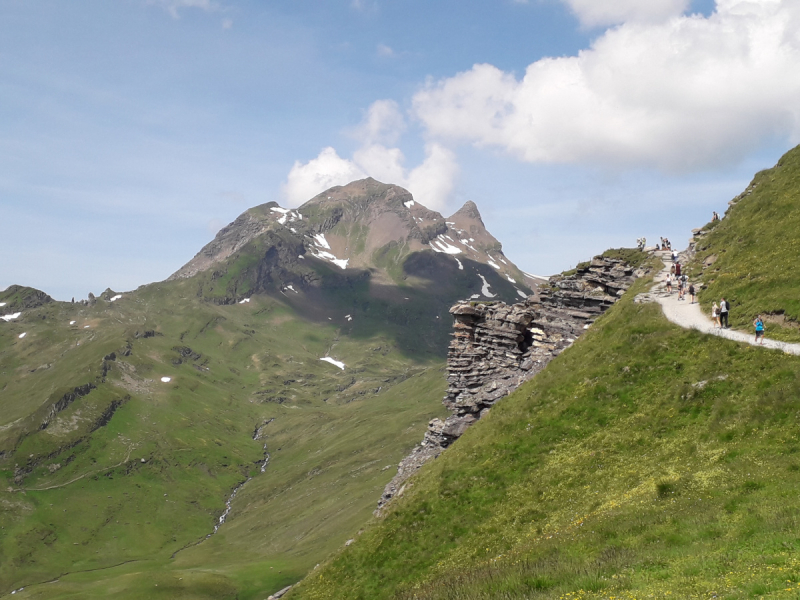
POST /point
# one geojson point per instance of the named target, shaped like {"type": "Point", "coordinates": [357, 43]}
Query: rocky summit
{"type": "Point", "coordinates": [365, 229]}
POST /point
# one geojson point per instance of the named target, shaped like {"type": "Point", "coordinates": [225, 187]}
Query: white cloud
{"type": "Point", "coordinates": [173, 6]}
{"type": "Point", "coordinates": [592, 13]}
{"type": "Point", "coordinates": [327, 170]}
{"type": "Point", "coordinates": [431, 182]}
{"type": "Point", "coordinates": [685, 94]}
{"type": "Point", "coordinates": [227, 23]}
{"type": "Point", "coordinates": [383, 123]}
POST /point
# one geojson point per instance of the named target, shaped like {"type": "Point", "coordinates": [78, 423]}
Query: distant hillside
{"type": "Point", "coordinates": [273, 383]}
{"type": "Point", "coordinates": [645, 461]}
{"type": "Point", "coordinates": [750, 256]}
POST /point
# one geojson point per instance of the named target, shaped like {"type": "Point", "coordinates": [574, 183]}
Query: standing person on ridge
{"type": "Point", "coordinates": [723, 313]}
{"type": "Point", "coordinates": [759, 325]}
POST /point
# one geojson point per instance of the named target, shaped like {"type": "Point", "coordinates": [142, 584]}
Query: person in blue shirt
{"type": "Point", "coordinates": [759, 325]}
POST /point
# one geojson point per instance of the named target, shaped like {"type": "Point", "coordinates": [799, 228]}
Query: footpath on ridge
{"type": "Point", "coordinates": [690, 316]}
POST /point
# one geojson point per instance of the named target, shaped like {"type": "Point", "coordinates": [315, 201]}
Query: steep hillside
{"type": "Point", "coordinates": [646, 461]}
{"type": "Point", "coordinates": [271, 383]}
{"type": "Point", "coordinates": [750, 256]}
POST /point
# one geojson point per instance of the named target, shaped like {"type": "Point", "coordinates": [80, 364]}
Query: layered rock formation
{"type": "Point", "coordinates": [496, 347]}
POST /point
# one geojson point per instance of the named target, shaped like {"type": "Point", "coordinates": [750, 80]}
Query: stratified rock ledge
{"type": "Point", "coordinates": [496, 347]}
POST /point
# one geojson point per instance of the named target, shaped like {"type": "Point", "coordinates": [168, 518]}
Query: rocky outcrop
{"type": "Point", "coordinates": [496, 347]}
{"type": "Point", "coordinates": [22, 298]}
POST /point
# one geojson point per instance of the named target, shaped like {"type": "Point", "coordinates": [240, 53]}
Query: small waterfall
{"type": "Point", "coordinates": [229, 501]}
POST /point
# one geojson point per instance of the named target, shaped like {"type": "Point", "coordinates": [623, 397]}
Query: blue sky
{"type": "Point", "coordinates": [130, 131]}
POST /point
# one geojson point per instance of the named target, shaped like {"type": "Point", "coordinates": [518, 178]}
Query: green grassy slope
{"type": "Point", "coordinates": [645, 461]}
{"type": "Point", "coordinates": [119, 491]}
{"type": "Point", "coordinates": [753, 251]}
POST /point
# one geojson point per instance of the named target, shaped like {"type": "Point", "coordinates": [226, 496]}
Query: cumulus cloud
{"type": "Point", "coordinates": [431, 182]}
{"type": "Point", "coordinates": [327, 170]}
{"type": "Point", "coordinates": [592, 13]}
{"type": "Point", "coordinates": [684, 94]}
{"type": "Point", "coordinates": [382, 124]}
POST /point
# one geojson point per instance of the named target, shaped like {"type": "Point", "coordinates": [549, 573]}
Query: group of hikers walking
{"type": "Point", "coordinates": [679, 280]}
{"type": "Point", "coordinates": [719, 312]}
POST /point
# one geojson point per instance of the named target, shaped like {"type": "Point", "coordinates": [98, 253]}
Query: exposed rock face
{"type": "Point", "coordinates": [363, 227]}
{"type": "Point", "coordinates": [227, 241]}
{"type": "Point", "coordinates": [496, 347]}
{"type": "Point", "coordinates": [21, 298]}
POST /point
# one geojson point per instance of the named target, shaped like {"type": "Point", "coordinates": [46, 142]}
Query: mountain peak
{"type": "Point", "coordinates": [366, 226]}
{"type": "Point", "coordinates": [469, 211]}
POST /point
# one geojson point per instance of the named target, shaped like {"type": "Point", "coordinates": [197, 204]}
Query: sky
{"type": "Point", "coordinates": [132, 131]}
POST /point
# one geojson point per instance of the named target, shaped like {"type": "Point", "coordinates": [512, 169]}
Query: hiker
{"type": "Point", "coordinates": [691, 292]}
{"type": "Point", "coordinates": [674, 256]}
{"type": "Point", "coordinates": [759, 325]}
{"type": "Point", "coordinates": [678, 269]}
{"type": "Point", "coordinates": [680, 289]}
{"type": "Point", "coordinates": [715, 314]}
{"type": "Point", "coordinates": [723, 313]}
{"type": "Point", "coordinates": [669, 283]}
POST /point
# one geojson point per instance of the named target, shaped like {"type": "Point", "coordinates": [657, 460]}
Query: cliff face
{"type": "Point", "coordinates": [496, 347]}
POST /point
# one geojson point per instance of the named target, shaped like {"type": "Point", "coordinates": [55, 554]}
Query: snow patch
{"type": "Point", "coordinates": [409, 204]}
{"type": "Point", "coordinates": [301, 256]}
{"type": "Point", "coordinates": [166, 379]}
{"type": "Point", "coordinates": [510, 279]}
{"type": "Point", "coordinates": [460, 266]}
{"type": "Point", "coordinates": [243, 300]}
{"type": "Point", "coordinates": [336, 363]}
{"type": "Point", "coordinates": [72, 322]}
{"type": "Point", "coordinates": [320, 237]}
{"type": "Point", "coordinates": [2, 304]}
{"type": "Point", "coordinates": [535, 276]}
{"type": "Point", "coordinates": [115, 298]}
{"type": "Point", "coordinates": [348, 317]}
{"type": "Point", "coordinates": [521, 293]}
{"type": "Point", "coordinates": [485, 289]}
{"type": "Point", "coordinates": [11, 317]}
{"type": "Point", "coordinates": [86, 327]}
{"type": "Point", "coordinates": [339, 262]}
{"type": "Point", "coordinates": [494, 264]}
{"type": "Point", "coordinates": [474, 296]}
{"type": "Point", "coordinates": [439, 245]}
{"type": "Point", "coordinates": [22, 335]}
{"type": "Point", "coordinates": [290, 287]}
{"type": "Point", "coordinates": [278, 209]}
